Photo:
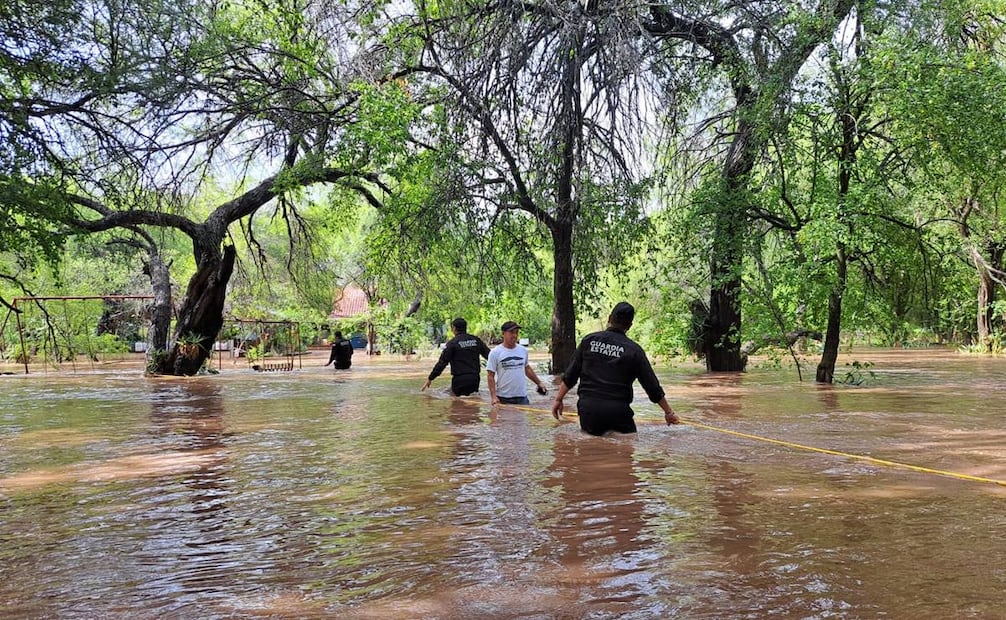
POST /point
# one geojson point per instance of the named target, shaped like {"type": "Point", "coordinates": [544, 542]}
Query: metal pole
{"type": "Point", "coordinates": [20, 333]}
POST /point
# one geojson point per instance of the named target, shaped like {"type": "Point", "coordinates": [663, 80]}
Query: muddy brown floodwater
{"type": "Point", "coordinates": [316, 494]}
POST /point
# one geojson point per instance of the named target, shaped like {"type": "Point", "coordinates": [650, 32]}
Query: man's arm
{"type": "Point", "coordinates": [557, 403]}
{"type": "Point", "coordinates": [669, 416]}
{"type": "Point", "coordinates": [491, 380]}
{"type": "Point", "coordinates": [445, 358]}
{"type": "Point", "coordinates": [648, 379]}
{"type": "Point", "coordinates": [530, 374]}
{"type": "Point", "coordinates": [569, 379]}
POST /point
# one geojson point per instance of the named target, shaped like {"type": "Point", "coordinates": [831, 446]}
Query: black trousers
{"type": "Point", "coordinates": [463, 385]}
{"type": "Point", "coordinates": [598, 416]}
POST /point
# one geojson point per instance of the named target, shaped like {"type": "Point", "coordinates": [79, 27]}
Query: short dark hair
{"type": "Point", "coordinates": [460, 324]}
{"type": "Point", "coordinates": [338, 334]}
{"type": "Point", "coordinates": [622, 314]}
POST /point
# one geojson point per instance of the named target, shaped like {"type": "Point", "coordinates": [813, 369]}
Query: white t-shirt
{"type": "Point", "coordinates": [508, 365]}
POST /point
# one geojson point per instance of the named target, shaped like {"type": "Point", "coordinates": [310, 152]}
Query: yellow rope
{"type": "Point", "coordinates": [789, 444]}
{"type": "Point", "coordinates": [860, 457]}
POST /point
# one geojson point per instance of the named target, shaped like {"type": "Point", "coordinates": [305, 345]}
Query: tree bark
{"type": "Point", "coordinates": [983, 322]}
{"type": "Point", "coordinates": [160, 316]}
{"type": "Point", "coordinates": [829, 357]}
{"type": "Point", "coordinates": [985, 263]}
{"type": "Point", "coordinates": [849, 119]}
{"type": "Point", "coordinates": [721, 335]}
{"type": "Point", "coordinates": [986, 292]}
{"type": "Point", "coordinates": [563, 311]}
{"type": "Point", "coordinates": [201, 315]}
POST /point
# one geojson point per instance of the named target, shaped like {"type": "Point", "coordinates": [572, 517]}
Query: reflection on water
{"type": "Point", "coordinates": [313, 494]}
{"type": "Point", "coordinates": [599, 539]}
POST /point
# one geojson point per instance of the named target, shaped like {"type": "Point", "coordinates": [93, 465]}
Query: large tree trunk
{"type": "Point", "coordinates": [567, 205]}
{"type": "Point", "coordinates": [984, 317]}
{"type": "Point", "coordinates": [985, 265]}
{"type": "Point", "coordinates": [849, 120]}
{"type": "Point", "coordinates": [563, 311]}
{"type": "Point", "coordinates": [721, 336]}
{"type": "Point", "coordinates": [986, 292]}
{"type": "Point", "coordinates": [752, 86]}
{"type": "Point", "coordinates": [201, 316]}
{"type": "Point", "coordinates": [829, 357]}
{"type": "Point", "coordinates": [160, 315]}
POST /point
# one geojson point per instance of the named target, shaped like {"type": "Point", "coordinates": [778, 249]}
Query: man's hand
{"type": "Point", "coordinates": [425, 385]}
{"type": "Point", "coordinates": [557, 408]}
{"type": "Point", "coordinates": [671, 418]}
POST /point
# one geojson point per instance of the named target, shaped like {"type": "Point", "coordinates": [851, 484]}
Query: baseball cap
{"type": "Point", "coordinates": [623, 312]}
{"type": "Point", "coordinates": [509, 326]}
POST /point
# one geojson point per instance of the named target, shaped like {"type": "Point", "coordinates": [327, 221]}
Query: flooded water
{"type": "Point", "coordinates": [316, 494]}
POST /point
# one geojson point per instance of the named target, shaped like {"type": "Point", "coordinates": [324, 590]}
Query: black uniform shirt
{"type": "Point", "coordinates": [606, 363]}
{"type": "Point", "coordinates": [342, 351]}
{"type": "Point", "coordinates": [462, 353]}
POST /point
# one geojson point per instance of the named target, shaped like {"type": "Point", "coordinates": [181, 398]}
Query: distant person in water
{"type": "Point", "coordinates": [508, 369]}
{"type": "Point", "coordinates": [462, 352]}
{"type": "Point", "coordinates": [342, 352]}
{"type": "Point", "coordinates": [606, 363]}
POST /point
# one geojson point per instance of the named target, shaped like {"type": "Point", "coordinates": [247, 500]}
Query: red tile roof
{"type": "Point", "coordinates": [350, 301]}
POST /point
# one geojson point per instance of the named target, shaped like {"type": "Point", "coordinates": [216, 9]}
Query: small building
{"type": "Point", "coordinates": [350, 302]}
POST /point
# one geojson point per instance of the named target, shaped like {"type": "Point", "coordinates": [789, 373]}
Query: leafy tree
{"type": "Point", "coordinates": [542, 106]}
{"type": "Point", "coordinates": [760, 49]}
{"type": "Point", "coordinates": [950, 99]}
{"type": "Point", "coordinates": [182, 90]}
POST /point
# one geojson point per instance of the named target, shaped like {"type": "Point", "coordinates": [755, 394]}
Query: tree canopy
{"type": "Point", "coordinates": [811, 167]}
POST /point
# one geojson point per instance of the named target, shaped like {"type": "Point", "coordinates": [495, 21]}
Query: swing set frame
{"type": "Point", "coordinates": [40, 302]}
{"type": "Point", "coordinates": [262, 330]}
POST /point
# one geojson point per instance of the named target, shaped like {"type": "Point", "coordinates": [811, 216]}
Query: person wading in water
{"type": "Point", "coordinates": [462, 352]}
{"type": "Point", "coordinates": [606, 363]}
{"type": "Point", "coordinates": [342, 352]}
{"type": "Point", "coordinates": [507, 369]}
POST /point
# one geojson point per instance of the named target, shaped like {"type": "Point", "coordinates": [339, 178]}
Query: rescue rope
{"type": "Point", "coordinates": [798, 446]}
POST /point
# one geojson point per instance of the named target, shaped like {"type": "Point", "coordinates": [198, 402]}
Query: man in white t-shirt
{"type": "Point", "coordinates": [507, 370]}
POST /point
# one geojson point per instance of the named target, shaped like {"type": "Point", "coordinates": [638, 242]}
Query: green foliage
{"type": "Point", "coordinates": [254, 354]}
{"type": "Point", "coordinates": [190, 338]}
{"type": "Point", "coordinates": [30, 213]}
{"type": "Point", "coordinates": [156, 358]}
{"type": "Point", "coordinates": [381, 135]}
{"type": "Point", "coordinates": [454, 228]}
{"type": "Point", "coordinates": [858, 373]}
{"type": "Point", "coordinates": [403, 335]}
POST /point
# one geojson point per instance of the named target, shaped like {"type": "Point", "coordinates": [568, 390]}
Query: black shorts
{"type": "Point", "coordinates": [463, 385]}
{"type": "Point", "coordinates": [597, 416]}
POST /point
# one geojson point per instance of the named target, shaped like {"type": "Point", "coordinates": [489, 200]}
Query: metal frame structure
{"type": "Point", "coordinates": [39, 300]}
{"type": "Point", "coordinates": [292, 334]}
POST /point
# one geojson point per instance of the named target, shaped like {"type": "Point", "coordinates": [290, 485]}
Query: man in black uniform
{"type": "Point", "coordinates": [342, 352]}
{"type": "Point", "coordinates": [462, 353]}
{"type": "Point", "coordinates": [606, 363]}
